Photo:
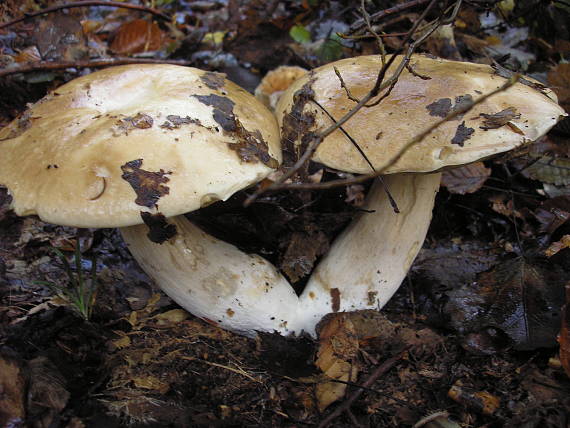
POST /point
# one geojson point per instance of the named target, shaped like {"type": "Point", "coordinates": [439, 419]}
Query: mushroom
{"type": "Point", "coordinates": [114, 166]}
{"type": "Point", "coordinates": [367, 263]}
{"type": "Point", "coordinates": [139, 144]}
{"type": "Point", "coordinates": [276, 82]}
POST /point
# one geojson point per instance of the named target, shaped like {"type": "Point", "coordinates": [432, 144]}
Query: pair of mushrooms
{"type": "Point", "coordinates": [136, 146]}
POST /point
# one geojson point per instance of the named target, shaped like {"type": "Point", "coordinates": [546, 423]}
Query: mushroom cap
{"type": "Point", "coordinates": [275, 82]}
{"type": "Point", "coordinates": [106, 147]}
{"type": "Point", "coordinates": [413, 106]}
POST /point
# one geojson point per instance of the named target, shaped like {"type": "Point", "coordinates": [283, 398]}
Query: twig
{"type": "Point", "coordinates": [393, 202]}
{"type": "Point", "coordinates": [150, 10]}
{"type": "Point", "coordinates": [239, 370]}
{"type": "Point", "coordinates": [58, 65]}
{"type": "Point", "coordinates": [379, 85]}
{"type": "Point", "coordinates": [379, 40]}
{"type": "Point", "coordinates": [358, 25]}
{"type": "Point", "coordinates": [379, 371]}
{"type": "Point", "coordinates": [395, 158]}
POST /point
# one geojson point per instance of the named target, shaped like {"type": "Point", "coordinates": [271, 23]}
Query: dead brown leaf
{"type": "Point", "coordinates": [466, 179]}
{"type": "Point", "coordinates": [336, 358]}
{"type": "Point", "coordinates": [137, 36]}
{"type": "Point", "coordinates": [517, 298]}
{"type": "Point", "coordinates": [558, 246]}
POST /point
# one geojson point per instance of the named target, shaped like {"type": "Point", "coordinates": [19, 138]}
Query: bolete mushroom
{"type": "Point", "coordinates": [213, 141]}
{"type": "Point", "coordinates": [370, 259]}
{"type": "Point", "coordinates": [142, 143]}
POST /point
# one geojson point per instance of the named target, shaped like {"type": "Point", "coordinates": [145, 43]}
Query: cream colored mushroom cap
{"type": "Point", "coordinates": [107, 146]}
{"type": "Point", "coordinates": [412, 107]}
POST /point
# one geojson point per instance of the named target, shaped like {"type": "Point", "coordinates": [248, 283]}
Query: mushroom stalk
{"type": "Point", "coordinates": [371, 258]}
{"type": "Point", "coordinates": [365, 266]}
{"type": "Point", "coordinates": [215, 280]}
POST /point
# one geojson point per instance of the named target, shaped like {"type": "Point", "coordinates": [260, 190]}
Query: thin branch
{"type": "Point", "coordinates": [379, 40]}
{"type": "Point", "coordinates": [52, 9]}
{"type": "Point", "coordinates": [58, 65]}
{"type": "Point", "coordinates": [358, 25]}
{"type": "Point", "coordinates": [395, 158]}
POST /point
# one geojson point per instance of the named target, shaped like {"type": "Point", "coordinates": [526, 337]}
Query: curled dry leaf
{"type": "Point", "coordinates": [559, 81]}
{"type": "Point", "coordinates": [336, 357]}
{"type": "Point", "coordinates": [557, 246]}
{"type": "Point", "coordinates": [517, 298]}
{"type": "Point", "coordinates": [466, 179]}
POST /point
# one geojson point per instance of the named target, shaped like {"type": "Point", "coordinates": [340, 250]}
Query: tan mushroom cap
{"type": "Point", "coordinates": [413, 106]}
{"type": "Point", "coordinates": [275, 82]}
{"type": "Point", "coordinates": [165, 139]}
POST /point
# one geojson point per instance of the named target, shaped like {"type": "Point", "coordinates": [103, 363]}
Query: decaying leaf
{"type": "Point", "coordinates": [47, 393]}
{"type": "Point", "coordinates": [302, 252]}
{"type": "Point", "coordinates": [557, 246]}
{"type": "Point", "coordinates": [336, 357]}
{"type": "Point", "coordinates": [517, 298]}
{"type": "Point", "coordinates": [466, 179]}
{"type": "Point", "coordinates": [481, 401]}
{"type": "Point", "coordinates": [496, 120]}
{"type": "Point", "coordinates": [553, 213]}
{"type": "Point", "coordinates": [137, 36]}
{"type": "Point", "coordinates": [550, 170]}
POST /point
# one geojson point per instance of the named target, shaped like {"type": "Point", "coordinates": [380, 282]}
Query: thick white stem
{"type": "Point", "coordinates": [371, 258]}
{"type": "Point", "coordinates": [214, 280]}
{"type": "Point", "coordinates": [245, 293]}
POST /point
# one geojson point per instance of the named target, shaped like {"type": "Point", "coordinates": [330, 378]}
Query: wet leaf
{"type": "Point", "coordinates": [553, 213]}
{"type": "Point", "coordinates": [559, 81]}
{"type": "Point", "coordinates": [557, 246]}
{"type": "Point", "coordinates": [137, 36]}
{"type": "Point", "coordinates": [466, 179]}
{"type": "Point", "coordinates": [519, 298]}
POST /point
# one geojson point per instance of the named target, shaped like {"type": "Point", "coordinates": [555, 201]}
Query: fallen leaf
{"type": "Point", "coordinates": [137, 36]}
{"type": "Point", "coordinates": [151, 382]}
{"type": "Point", "coordinates": [481, 401]}
{"type": "Point", "coordinates": [466, 179]}
{"type": "Point", "coordinates": [518, 298]}
{"type": "Point", "coordinates": [557, 246]}
{"type": "Point", "coordinates": [550, 170]}
{"type": "Point", "coordinates": [336, 357]}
